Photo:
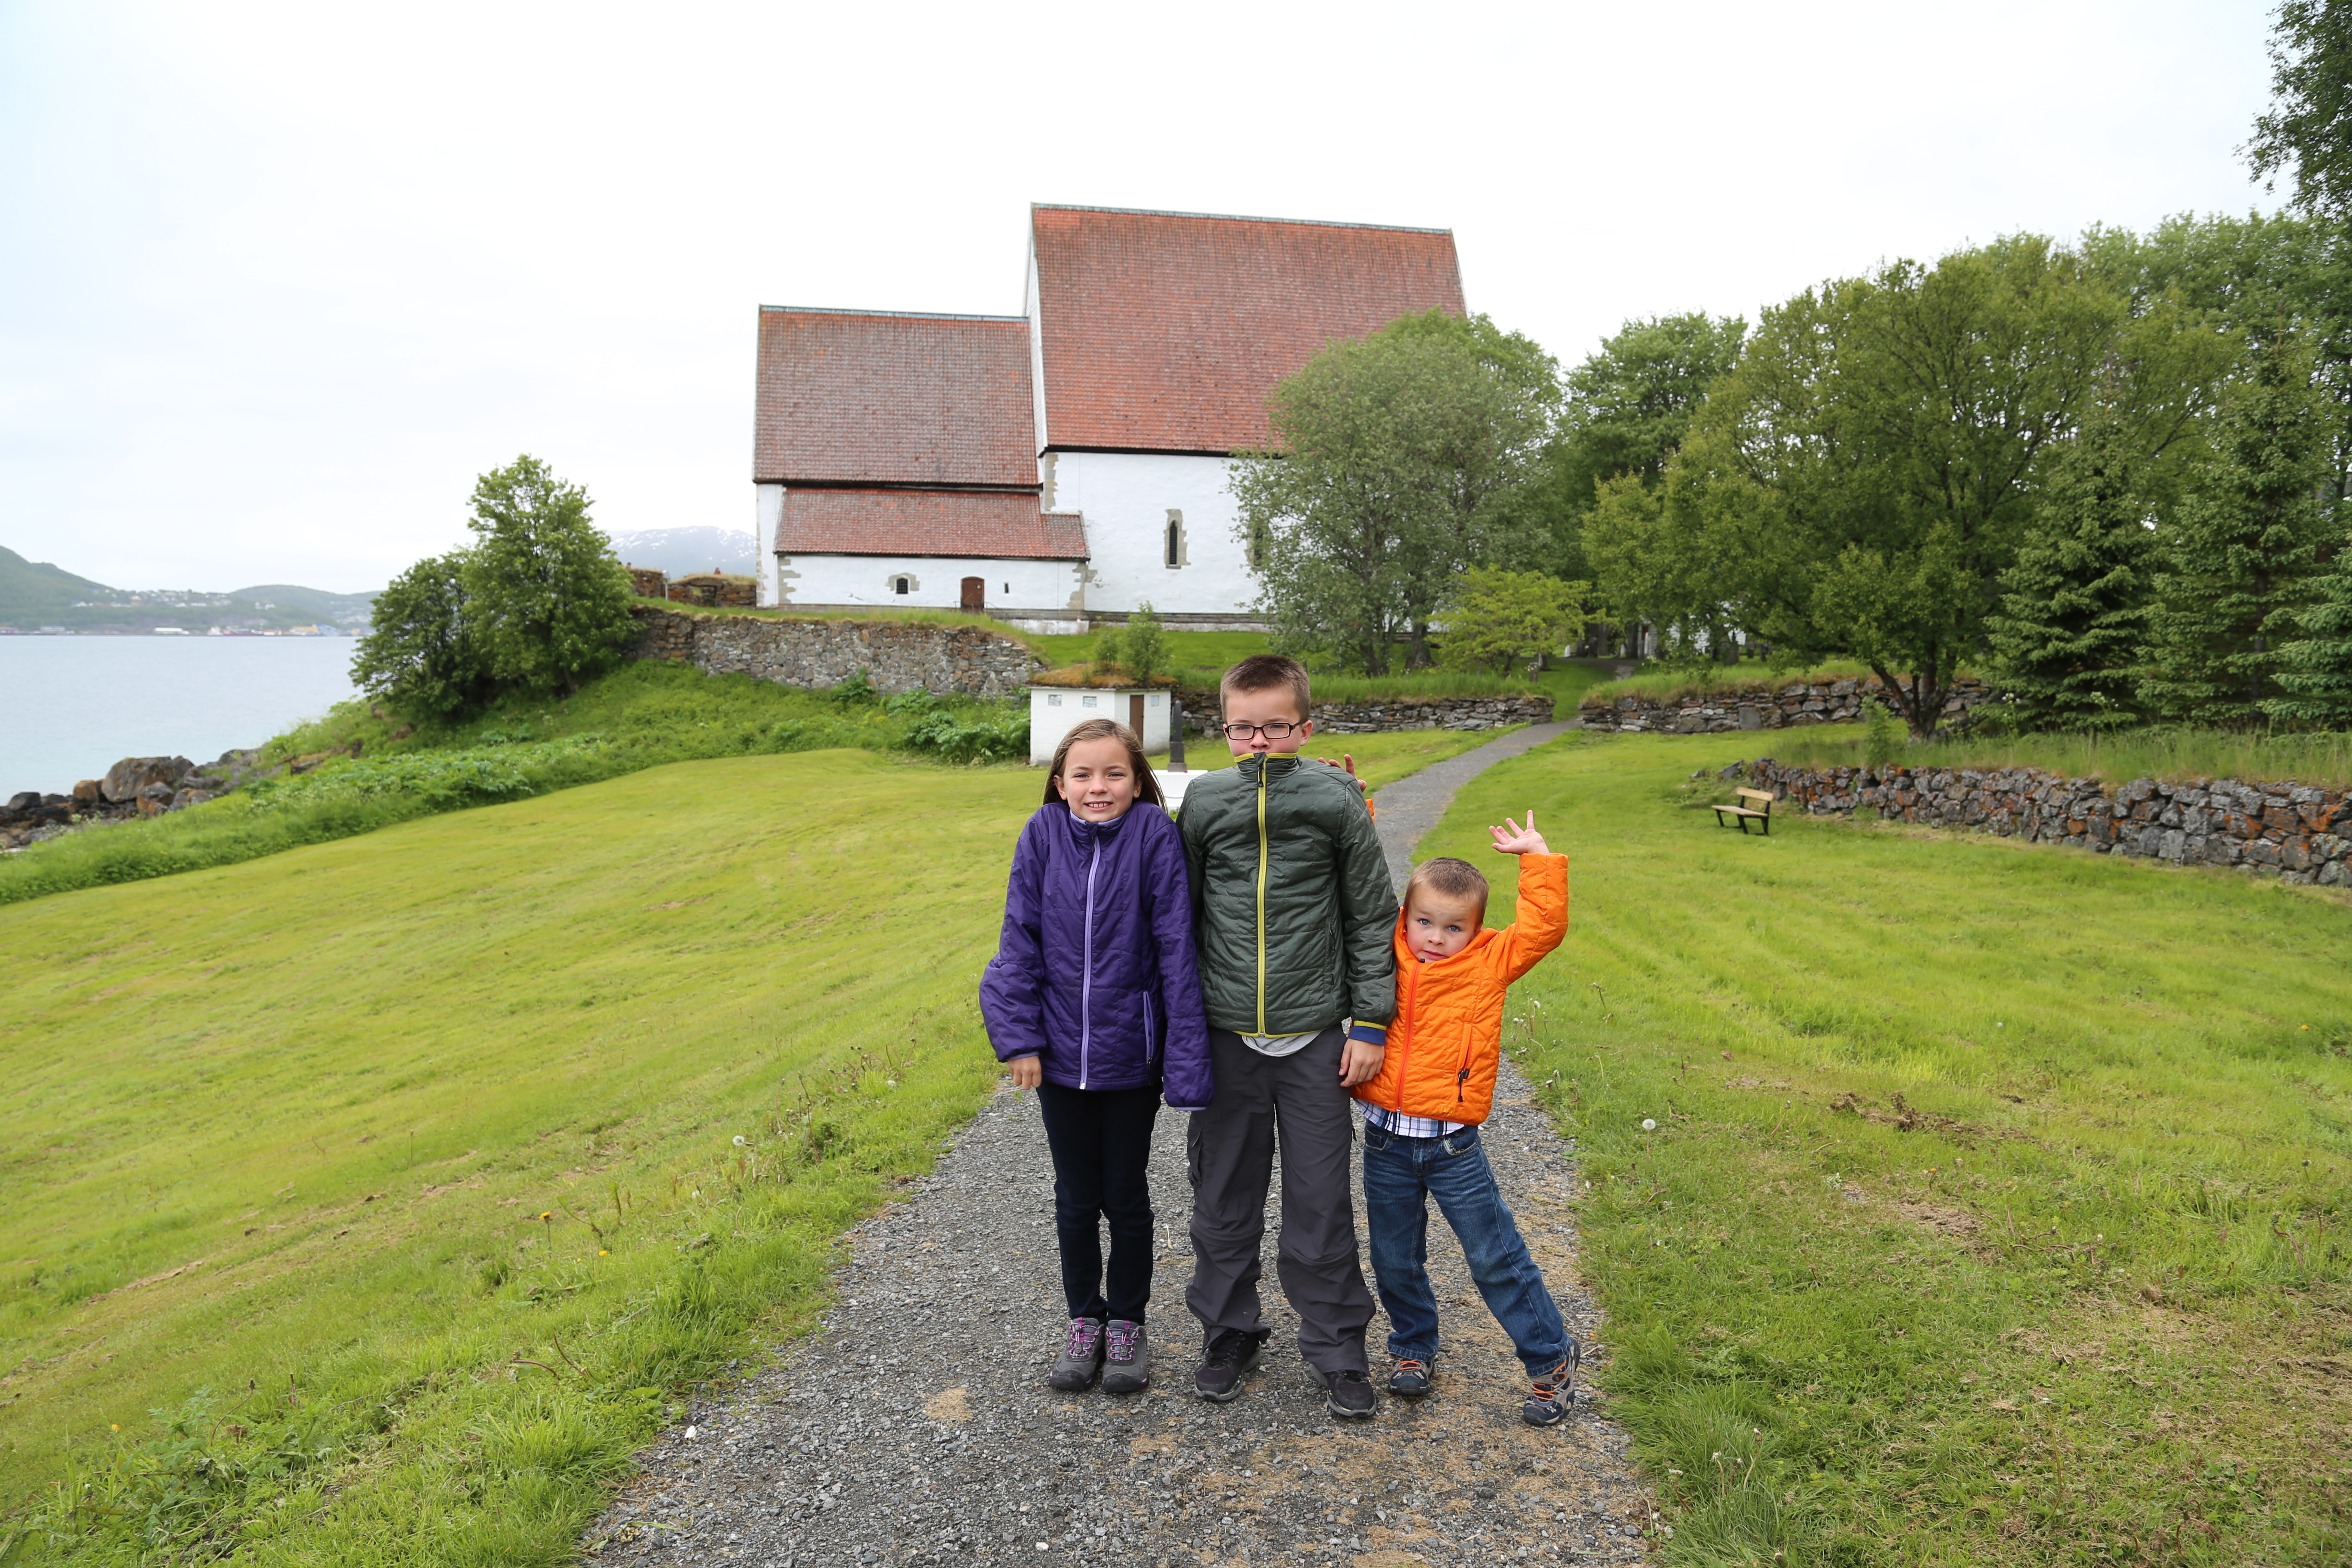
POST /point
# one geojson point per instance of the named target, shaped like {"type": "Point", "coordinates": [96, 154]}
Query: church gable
{"type": "Point", "coordinates": [1166, 332]}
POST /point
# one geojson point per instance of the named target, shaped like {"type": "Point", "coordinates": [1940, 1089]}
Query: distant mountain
{"type": "Point", "coordinates": [35, 595]}
{"type": "Point", "coordinates": [676, 552]}
{"type": "Point", "coordinates": [36, 585]}
{"type": "Point", "coordinates": [343, 609]}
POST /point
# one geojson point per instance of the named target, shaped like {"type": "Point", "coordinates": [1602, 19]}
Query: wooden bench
{"type": "Point", "coordinates": [1739, 816]}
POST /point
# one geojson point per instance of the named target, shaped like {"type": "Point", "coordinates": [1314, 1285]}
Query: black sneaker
{"type": "Point", "coordinates": [1351, 1396]}
{"type": "Point", "coordinates": [1231, 1357]}
{"type": "Point", "coordinates": [1548, 1400]}
{"type": "Point", "coordinates": [1411, 1378]}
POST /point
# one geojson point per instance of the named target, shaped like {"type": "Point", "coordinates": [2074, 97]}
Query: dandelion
{"type": "Point", "coordinates": [1649, 1124]}
{"type": "Point", "coordinates": [547, 1214]}
{"type": "Point", "coordinates": [603, 1253]}
{"type": "Point", "coordinates": [741, 1141]}
{"type": "Point", "coordinates": [117, 1425]}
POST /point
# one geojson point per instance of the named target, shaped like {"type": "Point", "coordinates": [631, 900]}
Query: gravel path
{"type": "Point", "coordinates": [916, 1426]}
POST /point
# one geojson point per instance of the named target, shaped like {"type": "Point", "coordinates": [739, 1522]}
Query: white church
{"type": "Point", "coordinates": [1059, 468]}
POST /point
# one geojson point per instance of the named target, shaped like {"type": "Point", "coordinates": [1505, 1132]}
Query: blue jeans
{"type": "Point", "coordinates": [1400, 1174]}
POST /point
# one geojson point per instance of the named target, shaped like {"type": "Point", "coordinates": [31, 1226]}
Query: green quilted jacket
{"type": "Point", "coordinates": [1291, 901]}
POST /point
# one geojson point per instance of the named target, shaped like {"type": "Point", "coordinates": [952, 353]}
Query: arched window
{"type": "Point", "coordinates": [1172, 552]}
{"type": "Point", "coordinates": [897, 584]}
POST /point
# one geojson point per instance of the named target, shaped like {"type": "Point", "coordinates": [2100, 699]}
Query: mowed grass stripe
{"type": "Point", "coordinates": [2082, 1293]}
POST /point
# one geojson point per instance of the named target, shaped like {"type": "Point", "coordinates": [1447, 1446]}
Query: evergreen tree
{"type": "Point", "coordinates": [2238, 558]}
{"type": "Point", "coordinates": [2076, 602]}
{"type": "Point", "coordinates": [2316, 670]}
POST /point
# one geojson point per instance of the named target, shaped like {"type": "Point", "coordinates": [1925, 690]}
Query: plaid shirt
{"type": "Point", "coordinates": [1402, 1126]}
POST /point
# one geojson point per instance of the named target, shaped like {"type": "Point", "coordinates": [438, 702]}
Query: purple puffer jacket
{"type": "Point", "coordinates": [1094, 973]}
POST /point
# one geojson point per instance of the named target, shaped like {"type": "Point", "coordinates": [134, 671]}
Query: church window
{"type": "Point", "coordinates": [1173, 551]}
{"type": "Point", "coordinates": [897, 584]}
{"type": "Point", "coordinates": [1257, 543]}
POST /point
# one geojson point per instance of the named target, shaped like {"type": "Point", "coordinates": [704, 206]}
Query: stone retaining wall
{"type": "Point", "coordinates": [1393, 714]}
{"type": "Point", "coordinates": [2291, 831]}
{"type": "Point", "coordinates": [897, 656]}
{"type": "Point", "coordinates": [1791, 706]}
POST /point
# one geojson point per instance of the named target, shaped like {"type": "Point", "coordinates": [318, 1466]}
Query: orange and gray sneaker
{"type": "Point", "coordinates": [1411, 1378]}
{"type": "Point", "coordinates": [1548, 1399]}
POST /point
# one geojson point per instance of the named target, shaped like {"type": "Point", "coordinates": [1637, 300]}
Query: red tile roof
{"type": "Point", "coordinates": [1166, 332]}
{"type": "Point", "coordinates": [926, 522]}
{"type": "Point", "coordinates": [872, 397]}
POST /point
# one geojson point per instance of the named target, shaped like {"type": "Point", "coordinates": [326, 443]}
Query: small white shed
{"type": "Point", "coordinates": [1054, 711]}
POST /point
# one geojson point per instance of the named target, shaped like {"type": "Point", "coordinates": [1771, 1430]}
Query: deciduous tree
{"type": "Point", "coordinates": [421, 653]}
{"type": "Point", "coordinates": [550, 600]}
{"type": "Point", "coordinates": [1500, 620]}
{"type": "Point", "coordinates": [1396, 459]}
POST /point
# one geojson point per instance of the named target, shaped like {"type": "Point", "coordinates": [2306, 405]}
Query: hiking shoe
{"type": "Point", "coordinates": [1231, 1357]}
{"type": "Point", "coordinates": [1548, 1400]}
{"type": "Point", "coordinates": [1351, 1397]}
{"type": "Point", "coordinates": [1411, 1378]}
{"type": "Point", "coordinates": [1081, 1359]}
{"type": "Point", "coordinates": [1127, 1368]}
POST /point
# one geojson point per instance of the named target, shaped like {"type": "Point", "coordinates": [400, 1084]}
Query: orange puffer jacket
{"type": "Point", "coordinates": [1447, 1040]}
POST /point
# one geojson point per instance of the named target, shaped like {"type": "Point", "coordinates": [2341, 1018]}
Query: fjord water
{"type": "Point", "coordinates": [71, 708]}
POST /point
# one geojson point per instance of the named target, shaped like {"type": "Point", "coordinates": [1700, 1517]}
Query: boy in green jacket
{"type": "Point", "coordinates": [1294, 914]}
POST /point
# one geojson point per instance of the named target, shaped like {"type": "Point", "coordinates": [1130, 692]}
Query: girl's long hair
{"type": "Point", "coordinates": [1147, 788]}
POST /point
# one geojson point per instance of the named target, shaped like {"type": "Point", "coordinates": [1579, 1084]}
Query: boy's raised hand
{"type": "Point", "coordinates": [1512, 839]}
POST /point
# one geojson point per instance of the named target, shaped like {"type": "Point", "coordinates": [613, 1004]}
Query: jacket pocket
{"type": "Point", "coordinates": [1151, 1027]}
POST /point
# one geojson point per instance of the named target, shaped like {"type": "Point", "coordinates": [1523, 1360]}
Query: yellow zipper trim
{"type": "Point", "coordinates": [1261, 895]}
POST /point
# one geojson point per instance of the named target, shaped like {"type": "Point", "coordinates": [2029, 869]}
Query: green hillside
{"type": "Point", "coordinates": [28, 585]}
{"type": "Point", "coordinates": [349, 610]}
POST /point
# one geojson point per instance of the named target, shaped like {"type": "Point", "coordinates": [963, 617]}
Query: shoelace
{"type": "Point", "coordinates": [1548, 1386]}
{"type": "Point", "coordinates": [1407, 1367]}
{"type": "Point", "coordinates": [1123, 1335]}
{"type": "Point", "coordinates": [1082, 1338]}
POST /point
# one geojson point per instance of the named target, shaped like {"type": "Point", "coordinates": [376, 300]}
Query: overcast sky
{"type": "Point", "coordinates": [278, 280]}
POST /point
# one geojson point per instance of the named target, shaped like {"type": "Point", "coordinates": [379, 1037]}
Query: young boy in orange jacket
{"type": "Point", "coordinates": [1422, 1113]}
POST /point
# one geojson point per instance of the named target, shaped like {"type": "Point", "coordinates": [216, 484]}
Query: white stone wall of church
{"type": "Point", "coordinates": [768, 511]}
{"type": "Point", "coordinates": [933, 582]}
{"type": "Point", "coordinates": [1126, 498]}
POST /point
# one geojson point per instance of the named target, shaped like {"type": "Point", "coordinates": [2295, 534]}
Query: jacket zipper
{"type": "Point", "coordinates": [1404, 1059]}
{"type": "Point", "coordinates": [1261, 895]}
{"type": "Point", "coordinates": [1087, 980]}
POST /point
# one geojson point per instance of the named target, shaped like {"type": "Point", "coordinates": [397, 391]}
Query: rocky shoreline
{"type": "Point", "coordinates": [133, 788]}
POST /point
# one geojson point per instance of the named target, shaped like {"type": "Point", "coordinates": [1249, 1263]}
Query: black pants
{"type": "Point", "coordinates": [1101, 1141]}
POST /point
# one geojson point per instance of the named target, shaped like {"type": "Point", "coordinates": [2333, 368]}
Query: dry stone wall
{"type": "Point", "coordinates": [2290, 831]}
{"type": "Point", "coordinates": [1396, 713]}
{"type": "Point", "coordinates": [897, 656]}
{"type": "Point", "coordinates": [1793, 706]}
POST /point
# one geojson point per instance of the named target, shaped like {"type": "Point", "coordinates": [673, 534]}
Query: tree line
{"type": "Point", "coordinates": [2111, 474]}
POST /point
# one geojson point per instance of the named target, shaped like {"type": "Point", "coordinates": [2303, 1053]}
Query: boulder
{"type": "Point", "coordinates": [130, 778]}
{"type": "Point", "coordinates": [188, 798]}
{"type": "Point", "coordinates": [156, 799]}
{"type": "Point", "coordinates": [25, 800]}
{"type": "Point", "coordinates": [87, 792]}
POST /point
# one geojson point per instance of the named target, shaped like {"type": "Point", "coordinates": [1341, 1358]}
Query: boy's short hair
{"type": "Point", "coordinates": [1268, 672]}
{"type": "Point", "coordinates": [1449, 879]}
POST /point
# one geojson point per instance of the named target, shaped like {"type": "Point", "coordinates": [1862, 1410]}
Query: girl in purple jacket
{"type": "Point", "coordinates": [1093, 1000]}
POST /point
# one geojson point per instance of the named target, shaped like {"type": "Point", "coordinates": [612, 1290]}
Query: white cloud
{"type": "Point", "coordinates": [277, 281]}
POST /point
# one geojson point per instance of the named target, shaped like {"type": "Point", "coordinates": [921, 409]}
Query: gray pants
{"type": "Point", "coordinates": [1229, 1151]}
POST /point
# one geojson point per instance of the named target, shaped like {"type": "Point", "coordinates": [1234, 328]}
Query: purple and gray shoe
{"type": "Point", "coordinates": [1081, 1361]}
{"type": "Point", "coordinates": [1127, 1366]}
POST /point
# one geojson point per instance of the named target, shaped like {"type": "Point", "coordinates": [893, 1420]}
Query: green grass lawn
{"type": "Point", "coordinates": [1996, 1206]}
{"type": "Point", "coordinates": [422, 1147]}
{"type": "Point", "coordinates": [411, 1157]}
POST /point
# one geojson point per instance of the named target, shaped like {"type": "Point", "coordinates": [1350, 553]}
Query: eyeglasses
{"type": "Point", "coordinates": [1280, 730]}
